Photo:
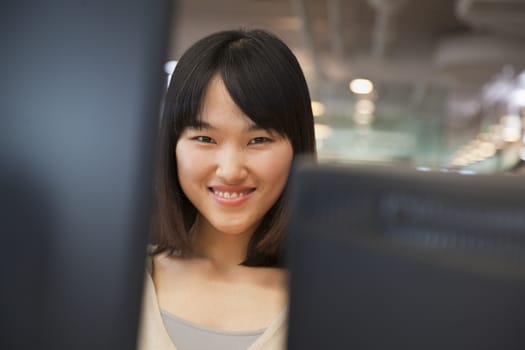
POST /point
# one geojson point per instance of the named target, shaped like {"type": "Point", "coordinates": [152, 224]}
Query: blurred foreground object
{"type": "Point", "coordinates": [388, 258]}
{"type": "Point", "coordinates": [79, 100]}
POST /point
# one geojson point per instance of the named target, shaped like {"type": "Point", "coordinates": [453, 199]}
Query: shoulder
{"type": "Point", "coordinates": [165, 266]}
{"type": "Point", "coordinates": [272, 278]}
{"type": "Point", "coordinates": [274, 338]}
{"type": "Point", "coordinates": [152, 334]}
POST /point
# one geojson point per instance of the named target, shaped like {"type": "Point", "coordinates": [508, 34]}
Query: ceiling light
{"type": "Point", "coordinates": [511, 131]}
{"type": "Point", "coordinates": [518, 97]}
{"type": "Point", "coordinates": [169, 67]}
{"type": "Point", "coordinates": [361, 86]}
{"type": "Point", "coordinates": [511, 121]}
{"type": "Point", "coordinates": [511, 134]}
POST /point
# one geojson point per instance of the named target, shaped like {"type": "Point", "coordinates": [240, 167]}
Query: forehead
{"type": "Point", "coordinates": [219, 109]}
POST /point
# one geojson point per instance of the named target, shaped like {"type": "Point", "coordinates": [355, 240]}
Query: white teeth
{"type": "Point", "coordinates": [229, 195]}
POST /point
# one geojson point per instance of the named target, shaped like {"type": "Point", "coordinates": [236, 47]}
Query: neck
{"type": "Point", "coordinates": [222, 249]}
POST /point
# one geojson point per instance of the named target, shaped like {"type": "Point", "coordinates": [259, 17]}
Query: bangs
{"type": "Point", "coordinates": [258, 85]}
{"type": "Point", "coordinates": [187, 103]}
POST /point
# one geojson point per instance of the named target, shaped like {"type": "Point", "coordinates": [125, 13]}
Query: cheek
{"type": "Point", "coordinates": [276, 166]}
{"type": "Point", "coordinates": [190, 164]}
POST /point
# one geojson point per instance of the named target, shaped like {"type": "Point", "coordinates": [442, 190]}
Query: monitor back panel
{"type": "Point", "coordinates": [386, 258]}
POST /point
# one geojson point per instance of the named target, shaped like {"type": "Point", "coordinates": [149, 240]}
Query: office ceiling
{"type": "Point", "coordinates": [402, 40]}
{"type": "Point", "coordinates": [425, 57]}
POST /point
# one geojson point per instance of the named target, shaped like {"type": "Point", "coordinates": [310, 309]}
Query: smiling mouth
{"type": "Point", "coordinates": [231, 194]}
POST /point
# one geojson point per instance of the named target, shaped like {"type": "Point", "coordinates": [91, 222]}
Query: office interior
{"type": "Point", "coordinates": [432, 85]}
{"type": "Point", "coordinates": [435, 85]}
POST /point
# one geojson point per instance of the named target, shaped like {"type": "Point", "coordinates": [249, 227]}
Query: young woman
{"type": "Point", "coordinates": [236, 114]}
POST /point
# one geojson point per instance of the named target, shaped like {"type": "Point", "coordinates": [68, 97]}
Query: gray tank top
{"type": "Point", "coordinates": [190, 336]}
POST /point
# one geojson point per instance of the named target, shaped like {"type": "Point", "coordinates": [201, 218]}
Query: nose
{"type": "Point", "coordinates": [231, 167]}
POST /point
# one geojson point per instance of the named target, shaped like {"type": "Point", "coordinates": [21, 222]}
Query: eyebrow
{"type": "Point", "coordinates": [208, 126]}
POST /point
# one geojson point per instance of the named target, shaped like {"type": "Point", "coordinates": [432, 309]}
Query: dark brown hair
{"type": "Point", "coordinates": [265, 80]}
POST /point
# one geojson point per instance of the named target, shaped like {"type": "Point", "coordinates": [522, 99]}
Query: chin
{"type": "Point", "coordinates": [234, 229]}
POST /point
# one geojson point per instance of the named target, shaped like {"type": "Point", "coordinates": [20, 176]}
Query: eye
{"type": "Point", "coordinates": [259, 140]}
{"type": "Point", "coordinates": [204, 139]}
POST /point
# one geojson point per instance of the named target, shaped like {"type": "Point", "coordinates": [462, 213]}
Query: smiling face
{"type": "Point", "coordinates": [230, 169]}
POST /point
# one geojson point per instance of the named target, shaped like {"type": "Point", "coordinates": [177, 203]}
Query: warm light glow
{"type": "Point", "coordinates": [496, 130]}
{"type": "Point", "coordinates": [460, 161]}
{"type": "Point", "coordinates": [484, 136]}
{"type": "Point", "coordinates": [363, 119]}
{"type": "Point", "coordinates": [322, 131]}
{"type": "Point", "coordinates": [511, 128]}
{"type": "Point", "coordinates": [361, 86]}
{"type": "Point", "coordinates": [511, 121]}
{"type": "Point", "coordinates": [285, 23]}
{"type": "Point", "coordinates": [469, 158]}
{"type": "Point", "coordinates": [487, 149]}
{"type": "Point", "coordinates": [477, 156]}
{"type": "Point", "coordinates": [511, 134]}
{"type": "Point", "coordinates": [365, 107]}
{"type": "Point", "coordinates": [318, 108]}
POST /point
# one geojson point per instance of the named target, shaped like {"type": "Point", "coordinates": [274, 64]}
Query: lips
{"type": "Point", "coordinates": [231, 195]}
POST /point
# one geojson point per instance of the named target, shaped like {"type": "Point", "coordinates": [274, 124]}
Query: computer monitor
{"type": "Point", "coordinates": [386, 258]}
{"type": "Point", "coordinates": [80, 93]}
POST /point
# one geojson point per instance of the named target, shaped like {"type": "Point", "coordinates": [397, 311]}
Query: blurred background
{"type": "Point", "coordinates": [430, 84]}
